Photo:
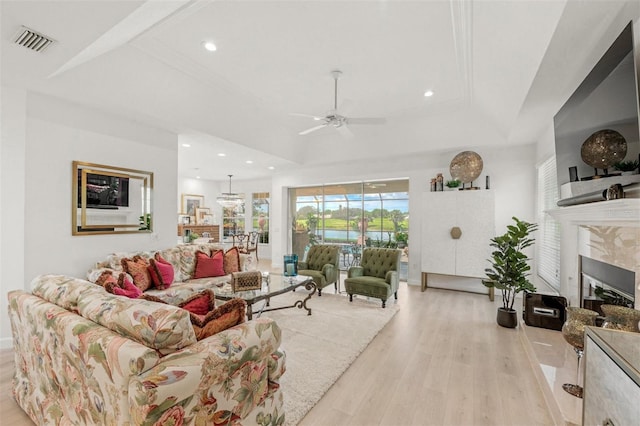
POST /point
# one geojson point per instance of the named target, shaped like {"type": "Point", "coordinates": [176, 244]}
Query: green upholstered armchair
{"type": "Point", "coordinates": [377, 275]}
{"type": "Point", "coordinates": [322, 265]}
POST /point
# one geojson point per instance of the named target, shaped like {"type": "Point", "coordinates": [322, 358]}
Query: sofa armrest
{"type": "Point", "coordinates": [330, 272]}
{"type": "Point", "coordinates": [392, 278]}
{"type": "Point", "coordinates": [355, 271]}
{"type": "Point", "coordinates": [223, 376]}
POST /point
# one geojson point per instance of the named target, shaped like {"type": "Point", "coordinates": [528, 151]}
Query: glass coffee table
{"type": "Point", "coordinates": [273, 284]}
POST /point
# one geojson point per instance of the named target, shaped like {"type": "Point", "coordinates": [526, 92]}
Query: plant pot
{"type": "Point", "coordinates": [507, 318]}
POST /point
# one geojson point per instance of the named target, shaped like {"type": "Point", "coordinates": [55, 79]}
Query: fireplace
{"type": "Point", "coordinates": [604, 283]}
{"type": "Point", "coordinates": [607, 232]}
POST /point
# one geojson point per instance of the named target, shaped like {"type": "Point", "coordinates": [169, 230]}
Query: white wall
{"type": "Point", "coordinates": [55, 134]}
{"type": "Point", "coordinates": [12, 201]}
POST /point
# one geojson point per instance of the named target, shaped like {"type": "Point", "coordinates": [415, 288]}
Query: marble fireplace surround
{"type": "Point", "coordinates": [608, 231]}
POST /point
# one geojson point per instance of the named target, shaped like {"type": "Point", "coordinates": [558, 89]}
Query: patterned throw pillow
{"type": "Point", "coordinates": [161, 272]}
{"type": "Point", "coordinates": [228, 315]}
{"type": "Point", "coordinates": [138, 268]}
{"type": "Point", "coordinates": [232, 260]}
{"type": "Point", "coordinates": [206, 319]}
{"type": "Point", "coordinates": [209, 266]}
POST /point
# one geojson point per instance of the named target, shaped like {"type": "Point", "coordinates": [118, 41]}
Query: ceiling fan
{"type": "Point", "coordinates": [334, 118]}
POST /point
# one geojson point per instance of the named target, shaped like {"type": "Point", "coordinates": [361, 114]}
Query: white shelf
{"type": "Point", "coordinates": [623, 212]}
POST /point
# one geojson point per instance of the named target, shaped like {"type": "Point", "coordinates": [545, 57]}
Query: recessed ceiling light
{"type": "Point", "coordinates": [186, 145]}
{"type": "Point", "coordinates": [209, 45]}
{"type": "Point", "coordinates": [271, 168]}
{"type": "Point", "coordinates": [222, 154]}
{"type": "Point", "coordinates": [428, 93]}
{"type": "Point", "coordinates": [249, 162]}
{"type": "Point", "coordinates": [197, 177]}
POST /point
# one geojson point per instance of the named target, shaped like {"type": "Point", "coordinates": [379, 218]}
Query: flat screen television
{"type": "Point", "coordinates": [608, 98]}
{"type": "Point", "coordinates": [104, 191]}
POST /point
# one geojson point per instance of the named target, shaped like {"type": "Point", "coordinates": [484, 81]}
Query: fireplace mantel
{"type": "Point", "coordinates": [622, 212]}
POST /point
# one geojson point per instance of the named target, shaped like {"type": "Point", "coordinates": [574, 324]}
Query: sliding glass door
{"type": "Point", "coordinates": [374, 213]}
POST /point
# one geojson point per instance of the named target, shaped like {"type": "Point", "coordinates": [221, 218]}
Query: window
{"type": "Point", "coordinates": [364, 213]}
{"type": "Point", "coordinates": [548, 239]}
{"type": "Point", "coordinates": [233, 219]}
{"type": "Point", "coordinates": [260, 215]}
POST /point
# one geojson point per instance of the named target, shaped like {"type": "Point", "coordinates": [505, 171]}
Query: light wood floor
{"type": "Point", "coordinates": [442, 360]}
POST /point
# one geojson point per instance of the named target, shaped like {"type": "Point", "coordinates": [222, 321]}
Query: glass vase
{"type": "Point", "coordinates": [573, 333]}
{"type": "Point", "coordinates": [621, 318]}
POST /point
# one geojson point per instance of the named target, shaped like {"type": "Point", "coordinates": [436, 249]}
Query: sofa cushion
{"type": "Point", "coordinates": [209, 266]}
{"type": "Point", "coordinates": [161, 272]}
{"type": "Point", "coordinates": [138, 268]}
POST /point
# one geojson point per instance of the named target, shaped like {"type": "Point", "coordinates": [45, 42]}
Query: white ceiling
{"type": "Point", "coordinates": [499, 69]}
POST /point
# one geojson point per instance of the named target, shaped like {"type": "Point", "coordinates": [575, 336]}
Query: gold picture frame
{"type": "Point", "coordinates": [201, 212]}
{"type": "Point", "coordinates": [189, 203]}
{"type": "Point", "coordinates": [110, 200]}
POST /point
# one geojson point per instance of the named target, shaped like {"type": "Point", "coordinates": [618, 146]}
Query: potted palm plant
{"type": "Point", "coordinates": [510, 268]}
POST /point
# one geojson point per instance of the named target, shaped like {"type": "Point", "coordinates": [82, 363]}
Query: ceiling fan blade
{"type": "Point", "coordinates": [344, 131]}
{"type": "Point", "coordinates": [297, 114]}
{"type": "Point", "coordinates": [313, 129]}
{"type": "Point", "coordinates": [366, 120]}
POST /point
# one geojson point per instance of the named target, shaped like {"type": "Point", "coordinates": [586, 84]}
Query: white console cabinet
{"type": "Point", "coordinates": [473, 213]}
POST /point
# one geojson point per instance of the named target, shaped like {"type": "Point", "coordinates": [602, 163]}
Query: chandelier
{"type": "Point", "coordinates": [229, 199]}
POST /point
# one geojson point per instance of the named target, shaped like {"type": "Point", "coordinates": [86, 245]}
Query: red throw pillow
{"type": "Point", "coordinates": [128, 288]}
{"type": "Point", "coordinates": [209, 266]}
{"type": "Point", "coordinates": [161, 272]}
{"type": "Point", "coordinates": [200, 303]}
{"type": "Point", "coordinates": [232, 260]}
{"type": "Point", "coordinates": [138, 268]}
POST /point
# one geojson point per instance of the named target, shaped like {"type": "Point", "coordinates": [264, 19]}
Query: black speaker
{"type": "Point", "coordinates": [543, 310]}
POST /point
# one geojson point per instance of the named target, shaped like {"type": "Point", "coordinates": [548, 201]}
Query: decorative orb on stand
{"type": "Point", "coordinates": [603, 149]}
{"type": "Point", "coordinates": [573, 333]}
{"type": "Point", "coordinates": [466, 167]}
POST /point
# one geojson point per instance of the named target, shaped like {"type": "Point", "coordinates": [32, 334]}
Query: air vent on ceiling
{"type": "Point", "coordinates": [32, 39]}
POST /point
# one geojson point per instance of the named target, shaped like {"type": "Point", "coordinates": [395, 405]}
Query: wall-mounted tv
{"type": "Point", "coordinates": [608, 98]}
{"type": "Point", "coordinates": [104, 191]}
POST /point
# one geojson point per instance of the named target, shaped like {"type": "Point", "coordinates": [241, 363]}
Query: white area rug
{"type": "Point", "coordinates": [321, 346]}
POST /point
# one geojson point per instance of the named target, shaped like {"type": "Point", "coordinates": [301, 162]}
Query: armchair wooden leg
{"type": "Point", "coordinates": [319, 292]}
{"type": "Point", "coordinates": [384, 304]}
{"type": "Point", "coordinates": [395, 295]}
{"type": "Point", "coordinates": [351, 298]}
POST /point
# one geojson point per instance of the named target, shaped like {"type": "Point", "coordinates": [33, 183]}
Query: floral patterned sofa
{"type": "Point", "coordinates": [84, 356]}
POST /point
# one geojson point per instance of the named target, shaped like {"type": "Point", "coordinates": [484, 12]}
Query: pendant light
{"type": "Point", "coordinates": [229, 199]}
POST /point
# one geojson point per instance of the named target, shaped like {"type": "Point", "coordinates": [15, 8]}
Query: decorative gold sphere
{"type": "Point", "coordinates": [603, 149]}
{"type": "Point", "coordinates": [466, 166]}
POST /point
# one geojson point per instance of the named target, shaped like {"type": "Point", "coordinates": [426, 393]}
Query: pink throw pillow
{"type": "Point", "coordinates": [129, 290]}
{"type": "Point", "coordinates": [209, 266]}
{"type": "Point", "coordinates": [161, 272]}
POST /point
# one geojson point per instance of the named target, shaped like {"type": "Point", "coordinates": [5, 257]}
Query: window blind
{"type": "Point", "coordinates": [548, 238]}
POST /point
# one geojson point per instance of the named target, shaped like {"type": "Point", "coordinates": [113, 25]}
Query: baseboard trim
{"type": "Point", "coordinates": [6, 343]}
